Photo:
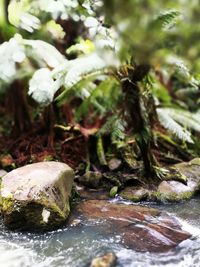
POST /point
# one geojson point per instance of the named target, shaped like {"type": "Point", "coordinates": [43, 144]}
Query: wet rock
{"type": "Point", "coordinates": [2, 173]}
{"type": "Point", "coordinates": [114, 164]}
{"type": "Point", "coordinates": [91, 179]}
{"type": "Point", "coordinates": [140, 228]}
{"type": "Point", "coordinates": [135, 194]}
{"type": "Point", "coordinates": [88, 193]}
{"type": "Point", "coordinates": [36, 196]}
{"type": "Point", "coordinates": [176, 191]}
{"type": "Point", "coordinates": [107, 260]}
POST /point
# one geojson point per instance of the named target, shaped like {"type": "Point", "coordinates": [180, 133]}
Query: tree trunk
{"type": "Point", "coordinates": [138, 116]}
{"type": "Point", "coordinates": [19, 107]}
{"type": "Point", "coordinates": [49, 121]}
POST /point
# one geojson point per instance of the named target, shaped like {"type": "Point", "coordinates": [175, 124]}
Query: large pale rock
{"type": "Point", "coordinates": [36, 196]}
{"type": "Point", "coordinates": [140, 228]}
{"type": "Point", "coordinates": [2, 173]}
{"type": "Point", "coordinates": [175, 190]}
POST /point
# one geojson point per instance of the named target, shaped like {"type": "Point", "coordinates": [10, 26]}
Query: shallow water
{"type": "Point", "coordinates": [76, 246]}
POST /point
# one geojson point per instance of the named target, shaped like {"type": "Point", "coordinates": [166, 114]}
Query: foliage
{"type": "Point", "coordinates": [130, 68]}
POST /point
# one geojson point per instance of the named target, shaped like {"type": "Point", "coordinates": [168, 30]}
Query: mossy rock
{"type": "Point", "coordinates": [36, 196]}
{"type": "Point", "coordinates": [176, 190]}
{"type": "Point", "coordinates": [134, 194]}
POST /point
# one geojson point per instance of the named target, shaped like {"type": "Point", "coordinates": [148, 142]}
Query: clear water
{"type": "Point", "coordinates": [76, 246]}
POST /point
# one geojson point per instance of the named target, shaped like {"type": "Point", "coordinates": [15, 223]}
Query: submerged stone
{"type": "Point", "coordinates": [140, 228]}
{"type": "Point", "coordinates": [36, 196]}
{"type": "Point", "coordinates": [107, 260]}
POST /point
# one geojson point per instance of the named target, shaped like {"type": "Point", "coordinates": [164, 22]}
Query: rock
{"type": "Point", "coordinates": [91, 179]}
{"type": "Point", "coordinates": [176, 191]}
{"type": "Point", "coordinates": [36, 196]}
{"type": "Point", "coordinates": [114, 164]}
{"type": "Point", "coordinates": [140, 228]}
{"type": "Point", "coordinates": [88, 193]}
{"type": "Point", "coordinates": [2, 173]}
{"type": "Point", "coordinates": [135, 194]}
{"type": "Point", "coordinates": [107, 260]}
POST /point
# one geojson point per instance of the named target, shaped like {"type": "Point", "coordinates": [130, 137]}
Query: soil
{"type": "Point", "coordinates": [33, 146]}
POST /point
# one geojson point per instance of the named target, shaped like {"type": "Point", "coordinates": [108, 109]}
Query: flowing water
{"type": "Point", "coordinates": [76, 246]}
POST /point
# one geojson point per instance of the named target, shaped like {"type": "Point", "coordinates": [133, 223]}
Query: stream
{"type": "Point", "coordinates": [77, 246]}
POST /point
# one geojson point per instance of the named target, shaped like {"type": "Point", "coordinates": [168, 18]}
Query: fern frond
{"type": "Point", "coordinates": [42, 87]}
{"type": "Point", "coordinates": [187, 119]}
{"type": "Point", "coordinates": [185, 92]}
{"type": "Point", "coordinates": [81, 70]}
{"type": "Point", "coordinates": [174, 127]}
{"type": "Point", "coordinates": [167, 18]}
{"type": "Point", "coordinates": [179, 66]}
{"type": "Point", "coordinates": [48, 53]}
{"type": "Point", "coordinates": [82, 67]}
{"type": "Point", "coordinates": [114, 126]}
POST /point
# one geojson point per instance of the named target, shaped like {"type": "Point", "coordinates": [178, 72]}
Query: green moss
{"type": "Point", "coordinates": [195, 161]}
{"type": "Point", "coordinates": [134, 197]}
{"type": "Point", "coordinates": [131, 197]}
{"type": "Point", "coordinates": [173, 197]}
{"type": "Point", "coordinates": [175, 175]}
{"type": "Point", "coordinates": [54, 208]}
{"type": "Point", "coordinates": [63, 214]}
{"type": "Point", "coordinates": [7, 204]}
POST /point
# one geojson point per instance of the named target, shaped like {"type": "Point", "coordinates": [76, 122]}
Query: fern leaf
{"type": "Point", "coordinates": [115, 127]}
{"type": "Point", "coordinates": [185, 118]}
{"type": "Point", "coordinates": [42, 87]}
{"type": "Point", "coordinates": [81, 67]}
{"type": "Point", "coordinates": [167, 18]}
{"type": "Point", "coordinates": [170, 124]}
{"type": "Point", "coordinates": [179, 66]}
{"type": "Point", "coordinates": [48, 53]}
{"type": "Point", "coordinates": [11, 52]}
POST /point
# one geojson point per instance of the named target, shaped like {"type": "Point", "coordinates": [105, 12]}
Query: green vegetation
{"type": "Point", "coordinates": [89, 81]}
